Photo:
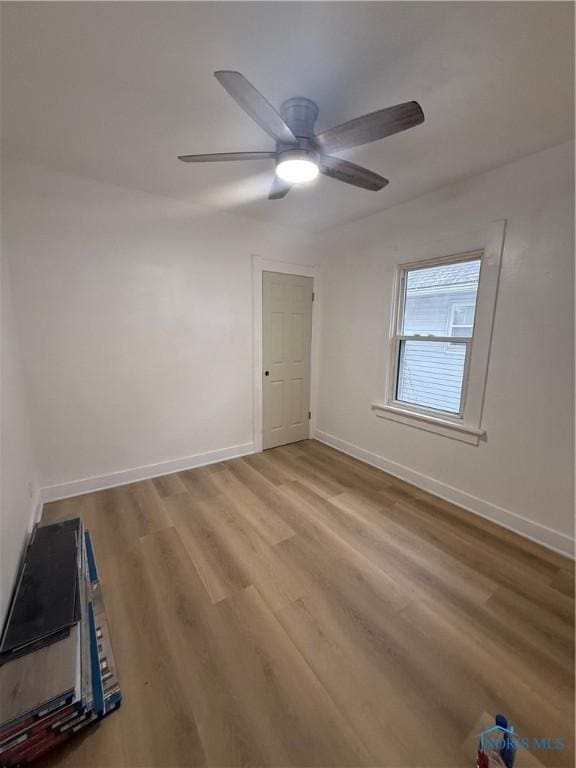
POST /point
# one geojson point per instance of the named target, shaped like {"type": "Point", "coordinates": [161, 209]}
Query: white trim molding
{"type": "Point", "coordinates": [529, 529]}
{"type": "Point", "coordinates": [145, 472]}
{"type": "Point", "coordinates": [36, 513]}
{"type": "Point", "coordinates": [454, 429]}
{"type": "Point", "coordinates": [260, 265]}
{"type": "Point", "coordinates": [488, 244]}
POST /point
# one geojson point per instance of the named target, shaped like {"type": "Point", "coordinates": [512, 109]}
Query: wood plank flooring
{"type": "Point", "coordinates": [300, 608]}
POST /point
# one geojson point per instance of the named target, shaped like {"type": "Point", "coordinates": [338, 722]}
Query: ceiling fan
{"type": "Point", "coordinates": [300, 153]}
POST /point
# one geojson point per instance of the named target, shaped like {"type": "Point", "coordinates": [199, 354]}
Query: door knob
{"type": "Point", "coordinates": [267, 373]}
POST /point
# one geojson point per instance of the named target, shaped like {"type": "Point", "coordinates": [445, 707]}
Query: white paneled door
{"type": "Point", "coordinates": [286, 341]}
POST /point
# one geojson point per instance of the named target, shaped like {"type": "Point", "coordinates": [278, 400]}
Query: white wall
{"type": "Point", "coordinates": [18, 489]}
{"type": "Point", "coordinates": [522, 475]}
{"type": "Point", "coordinates": [136, 316]}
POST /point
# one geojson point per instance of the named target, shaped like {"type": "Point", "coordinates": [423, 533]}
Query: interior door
{"type": "Point", "coordinates": [286, 343]}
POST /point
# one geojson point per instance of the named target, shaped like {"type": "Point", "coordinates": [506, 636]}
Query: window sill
{"type": "Point", "coordinates": [455, 430]}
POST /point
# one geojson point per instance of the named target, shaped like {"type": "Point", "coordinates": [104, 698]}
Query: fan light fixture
{"type": "Point", "coordinates": [297, 167]}
{"type": "Point", "coordinates": [301, 153]}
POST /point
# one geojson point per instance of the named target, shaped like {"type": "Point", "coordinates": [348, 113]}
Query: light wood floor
{"type": "Point", "coordinates": [300, 608]}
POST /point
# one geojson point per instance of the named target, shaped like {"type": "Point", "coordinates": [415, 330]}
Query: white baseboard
{"type": "Point", "coordinates": [123, 477]}
{"type": "Point", "coordinates": [36, 512]}
{"type": "Point", "coordinates": [541, 534]}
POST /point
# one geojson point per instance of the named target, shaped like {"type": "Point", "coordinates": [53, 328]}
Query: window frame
{"type": "Point", "coordinates": [400, 336]}
{"type": "Point", "coordinates": [487, 245]}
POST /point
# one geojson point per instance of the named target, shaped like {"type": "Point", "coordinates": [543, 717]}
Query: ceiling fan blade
{"type": "Point", "coordinates": [252, 102]}
{"type": "Point", "coordinates": [279, 189]}
{"type": "Point", "coordinates": [350, 173]}
{"type": "Point", "coordinates": [376, 125]}
{"type": "Point", "coordinates": [224, 156]}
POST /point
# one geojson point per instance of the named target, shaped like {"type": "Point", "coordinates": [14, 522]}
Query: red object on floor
{"type": "Point", "coordinates": [483, 761]}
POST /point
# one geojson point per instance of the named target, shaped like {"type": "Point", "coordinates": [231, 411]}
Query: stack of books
{"type": "Point", "coordinates": [57, 669]}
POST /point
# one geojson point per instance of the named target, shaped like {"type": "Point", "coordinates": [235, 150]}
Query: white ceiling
{"type": "Point", "coordinates": [114, 91]}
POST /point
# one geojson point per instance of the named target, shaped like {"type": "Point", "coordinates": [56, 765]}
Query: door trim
{"type": "Point", "coordinates": [260, 265]}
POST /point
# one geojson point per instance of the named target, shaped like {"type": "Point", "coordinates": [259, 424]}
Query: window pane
{"type": "Point", "coordinates": [463, 314]}
{"type": "Point", "coordinates": [436, 298]}
{"type": "Point", "coordinates": [430, 376]}
{"type": "Point", "coordinates": [464, 331]}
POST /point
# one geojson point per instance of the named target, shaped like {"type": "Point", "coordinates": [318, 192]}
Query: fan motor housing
{"type": "Point", "coordinates": [300, 114]}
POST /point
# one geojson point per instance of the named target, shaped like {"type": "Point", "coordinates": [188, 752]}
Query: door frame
{"type": "Point", "coordinates": [260, 265]}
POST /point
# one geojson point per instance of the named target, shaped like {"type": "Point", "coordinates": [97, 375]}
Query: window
{"type": "Point", "coordinates": [461, 322]}
{"type": "Point", "coordinates": [436, 304]}
{"type": "Point", "coordinates": [461, 319]}
{"type": "Point", "coordinates": [441, 323]}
